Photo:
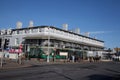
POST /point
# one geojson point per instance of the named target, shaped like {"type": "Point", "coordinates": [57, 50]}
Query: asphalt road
{"type": "Point", "coordinates": [75, 71]}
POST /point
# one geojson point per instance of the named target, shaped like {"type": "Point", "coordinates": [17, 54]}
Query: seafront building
{"type": "Point", "coordinates": [43, 41]}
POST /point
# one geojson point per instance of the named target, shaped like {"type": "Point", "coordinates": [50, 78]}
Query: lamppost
{"type": "Point", "coordinates": [48, 55]}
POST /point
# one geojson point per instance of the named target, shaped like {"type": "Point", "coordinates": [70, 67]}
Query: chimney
{"type": "Point", "coordinates": [77, 30]}
{"type": "Point", "coordinates": [65, 27]}
{"type": "Point", "coordinates": [87, 34]}
{"type": "Point", "coordinates": [30, 24]}
{"type": "Point", "coordinates": [18, 25]}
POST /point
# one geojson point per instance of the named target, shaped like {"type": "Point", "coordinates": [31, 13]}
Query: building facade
{"type": "Point", "coordinates": [48, 40]}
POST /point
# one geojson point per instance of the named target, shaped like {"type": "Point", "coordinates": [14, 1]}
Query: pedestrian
{"type": "Point", "coordinates": [90, 58]}
{"type": "Point", "coordinates": [73, 58]}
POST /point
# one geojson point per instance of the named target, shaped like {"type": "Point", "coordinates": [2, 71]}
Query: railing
{"type": "Point", "coordinates": [62, 35]}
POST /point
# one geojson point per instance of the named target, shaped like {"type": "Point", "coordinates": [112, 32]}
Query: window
{"type": "Point", "coordinates": [25, 31]}
{"type": "Point", "coordinates": [34, 30]}
{"type": "Point", "coordinates": [17, 32]}
{"type": "Point", "coordinates": [41, 29]}
{"type": "Point", "coordinates": [16, 41]}
{"type": "Point", "coordinates": [21, 32]}
{"type": "Point", "coordinates": [29, 31]}
{"type": "Point", "coordinates": [14, 32]}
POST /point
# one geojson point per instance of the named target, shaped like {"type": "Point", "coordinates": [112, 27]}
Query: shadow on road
{"type": "Point", "coordinates": [89, 67]}
{"type": "Point", "coordinates": [103, 77]}
{"type": "Point", "coordinates": [65, 76]}
{"type": "Point", "coordinates": [112, 70]}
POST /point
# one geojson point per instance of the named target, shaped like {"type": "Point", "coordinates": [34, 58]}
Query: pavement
{"type": "Point", "coordinates": [12, 64]}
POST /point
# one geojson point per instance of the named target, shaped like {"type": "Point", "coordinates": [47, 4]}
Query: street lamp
{"type": "Point", "coordinates": [48, 55]}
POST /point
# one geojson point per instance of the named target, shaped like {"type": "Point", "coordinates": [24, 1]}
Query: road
{"type": "Point", "coordinates": [71, 71]}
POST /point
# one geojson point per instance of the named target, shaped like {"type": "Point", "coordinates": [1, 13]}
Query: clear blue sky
{"type": "Point", "coordinates": [100, 17]}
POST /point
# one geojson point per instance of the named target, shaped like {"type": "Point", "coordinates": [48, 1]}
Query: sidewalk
{"type": "Point", "coordinates": [13, 65]}
{"type": "Point", "coordinates": [9, 64]}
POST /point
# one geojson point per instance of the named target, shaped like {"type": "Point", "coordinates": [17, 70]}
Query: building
{"type": "Point", "coordinates": [46, 41]}
{"type": "Point", "coordinates": [117, 50]}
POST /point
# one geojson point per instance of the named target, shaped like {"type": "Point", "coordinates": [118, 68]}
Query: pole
{"type": "Point", "coordinates": [48, 56]}
{"type": "Point", "coordinates": [1, 61]}
{"type": "Point", "coordinates": [3, 41]}
{"type": "Point", "coordinates": [28, 51]}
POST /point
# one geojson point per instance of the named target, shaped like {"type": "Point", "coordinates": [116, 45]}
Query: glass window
{"type": "Point", "coordinates": [42, 29]}
{"type": "Point", "coordinates": [13, 32]}
{"type": "Point", "coordinates": [16, 41]}
{"type": "Point", "coordinates": [25, 31]}
{"type": "Point", "coordinates": [34, 30]}
{"type": "Point", "coordinates": [29, 31]}
{"type": "Point", "coordinates": [21, 32]}
{"type": "Point", "coordinates": [17, 32]}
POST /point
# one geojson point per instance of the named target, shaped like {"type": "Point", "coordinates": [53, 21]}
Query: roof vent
{"type": "Point", "coordinates": [87, 34]}
{"type": "Point", "coordinates": [30, 24]}
{"type": "Point", "coordinates": [77, 30]}
{"type": "Point", "coordinates": [65, 27]}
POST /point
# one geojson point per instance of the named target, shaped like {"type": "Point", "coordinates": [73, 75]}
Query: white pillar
{"type": "Point", "coordinates": [48, 55]}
